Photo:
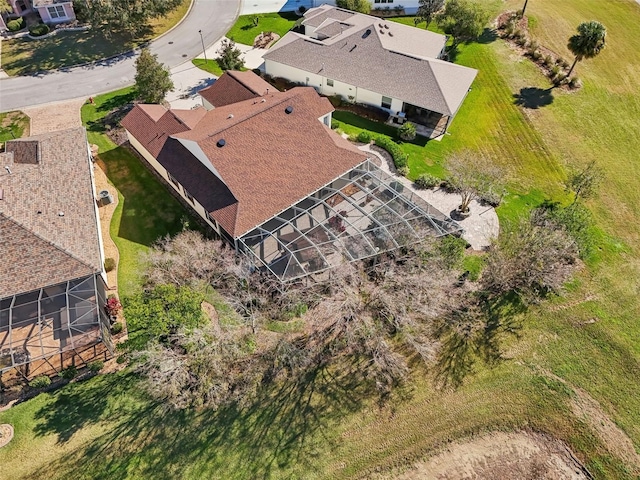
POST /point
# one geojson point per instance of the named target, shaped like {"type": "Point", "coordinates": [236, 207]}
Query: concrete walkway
{"type": "Point", "coordinates": [479, 228]}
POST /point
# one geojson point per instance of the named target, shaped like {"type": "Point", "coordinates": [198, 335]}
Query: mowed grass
{"type": "Point", "coordinates": [24, 56]}
{"type": "Point", "coordinates": [330, 428]}
{"type": "Point", "coordinates": [211, 66]}
{"type": "Point", "coordinates": [245, 30]}
{"type": "Point", "coordinates": [13, 124]}
{"type": "Point", "coordinates": [146, 210]}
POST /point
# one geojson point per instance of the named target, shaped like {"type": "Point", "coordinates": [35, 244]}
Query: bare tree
{"type": "Point", "coordinates": [473, 176]}
{"type": "Point", "coordinates": [530, 260]}
{"type": "Point", "coordinates": [584, 183]}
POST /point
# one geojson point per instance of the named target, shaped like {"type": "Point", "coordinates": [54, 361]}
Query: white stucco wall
{"type": "Point", "coordinates": [410, 6]}
{"type": "Point", "coordinates": [250, 7]}
{"type": "Point", "coordinates": [350, 93]}
{"type": "Point", "coordinates": [195, 205]}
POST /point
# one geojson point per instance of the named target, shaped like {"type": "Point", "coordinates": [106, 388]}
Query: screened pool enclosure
{"type": "Point", "coordinates": [52, 320]}
{"type": "Point", "coordinates": [363, 213]}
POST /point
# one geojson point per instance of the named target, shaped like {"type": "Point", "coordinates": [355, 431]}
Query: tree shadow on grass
{"type": "Point", "coordinates": [280, 432]}
{"type": "Point", "coordinates": [533, 97]}
{"type": "Point", "coordinates": [464, 344]}
{"type": "Point", "coordinates": [488, 35]}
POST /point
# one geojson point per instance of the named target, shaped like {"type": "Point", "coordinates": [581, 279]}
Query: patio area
{"type": "Point", "coordinates": [361, 214]}
{"type": "Point", "coordinates": [431, 125]}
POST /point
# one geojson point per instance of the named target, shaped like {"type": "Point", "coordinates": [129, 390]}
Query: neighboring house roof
{"type": "Point", "coordinates": [46, 3]}
{"type": "Point", "coordinates": [233, 87]}
{"type": "Point", "coordinates": [151, 125]}
{"type": "Point", "coordinates": [270, 158]}
{"type": "Point", "coordinates": [398, 61]}
{"type": "Point", "coordinates": [48, 223]}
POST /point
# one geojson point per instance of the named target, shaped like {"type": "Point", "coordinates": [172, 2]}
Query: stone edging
{"type": "Point", "coordinates": [5, 441]}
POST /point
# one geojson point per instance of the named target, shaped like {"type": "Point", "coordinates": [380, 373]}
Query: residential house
{"type": "Point", "coordinates": [271, 178]}
{"type": "Point", "coordinates": [410, 7]}
{"type": "Point", "coordinates": [371, 61]}
{"type": "Point", "coordinates": [52, 289]}
{"type": "Point", "coordinates": [50, 11]}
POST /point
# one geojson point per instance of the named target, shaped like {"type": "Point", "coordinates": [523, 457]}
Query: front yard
{"type": "Point", "coordinates": [24, 56]}
{"type": "Point", "coordinates": [246, 29]}
{"type": "Point", "coordinates": [13, 124]}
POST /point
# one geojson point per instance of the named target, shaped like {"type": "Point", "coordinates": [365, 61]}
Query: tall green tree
{"type": "Point", "coordinates": [464, 20]}
{"type": "Point", "coordinates": [230, 57]}
{"type": "Point", "coordinates": [153, 80]}
{"type": "Point", "coordinates": [427, 10]}
{"type": "Point", "coordinates": [131, 16]}
{"type": "Point", "coordinates": [362, 6]}
{"type": "Point", "coordinates": [588, 42]}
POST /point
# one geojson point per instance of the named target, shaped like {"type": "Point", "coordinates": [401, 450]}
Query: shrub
{"type": "Point", "coordinates": [15, 25]}
{"type": "Point", "coordinates": [521, 40]}
{"type": "Point", "coordinates": [564, 63]}
{"type": "Point", "coordinates": [559, 79]}
{"type": "Point", "coordinates": [69, 373]}
{"type": "Point", "coordinates": [450, 250]}
{"type": "Point", "coordinates": [334, 124]}
{"type": "Point", "coordinates": [575, 82]}
{"type": "Point", "coordinates": [426, 180]}
{"type": "Point", "coordinates": [109, 264]}
{"type": "Point", "coordinates": [39, 30]}
{"type": "Point", "coordinates": [407, 131]}
{"type": "Point", "coordinates": [116, 328]}
{"type": "Point", "coordinates": [536, 55]}
{"type": "Point", "coordinates": [548, 61]}
{"type": "Point", "coordinates": [404, 171]}
{"type": "Point", "coordinates": [399, 157]}
{"type": "Point", "coordinates": [95, 366]}
{"type": "Point", "coordinates": [41, 381]}
{"type": "Point", "coordinates": [364, 137]}
{"type": "Point", "coordinates": [113, 306]}
{"type": "Point", "coordinates": [336, 100]}
{"type": "Point", "coordinates": [555, 71]}
{"type": "Point", "coordinates": [533, 45]}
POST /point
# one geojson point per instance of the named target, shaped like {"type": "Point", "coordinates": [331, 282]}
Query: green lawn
{"type": "Point", "coordinates": [210, 66]}
{"type": "Point", "coordinates": [332, 429]}
{"type": "Point", "coordinates": [23, 56]}
{"type": "Point", "coordinates": [146, 211]}
{"type": "Point", "coordinates": [245, 31]}
{"type": "Point", "coordinates": [13, 125]}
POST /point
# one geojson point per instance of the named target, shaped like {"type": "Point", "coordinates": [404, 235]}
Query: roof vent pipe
{"type": "Point", "coordinates": [8, 170]}
{"type": "Point", "coordinates": [230, 115]}
{"type": "Point", "coordinates": [221, 143]}
{"type": "Point", "coordinates": [288, 110]}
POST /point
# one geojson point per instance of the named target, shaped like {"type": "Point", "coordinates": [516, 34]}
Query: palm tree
{"type": "Point", "coordinates": [588, 43]}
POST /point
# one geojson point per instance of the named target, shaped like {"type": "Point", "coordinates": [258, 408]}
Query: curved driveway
{"type": "Point", "coordinates": [213, 17]}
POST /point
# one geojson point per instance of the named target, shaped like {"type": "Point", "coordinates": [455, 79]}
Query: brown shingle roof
{"type": "Point", "coordinates": [151, 125]}
{"type": "Point", "coordinates": [39, 246]}
{"type": "Point", "coordinates": [272, 159]}
{"type": "Point", "coordinates": [233, 87]}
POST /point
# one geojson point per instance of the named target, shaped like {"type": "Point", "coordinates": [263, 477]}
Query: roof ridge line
{"type": "Point", "coordinates": [57, 247]}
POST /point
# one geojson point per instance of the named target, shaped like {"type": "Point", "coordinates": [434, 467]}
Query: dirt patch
{"type": "Point", "coordinates": [587, 408]}
{"type": "Point", "coordinates": [6, 434]}
{"type": "Point", "coordinates": [501, 456]}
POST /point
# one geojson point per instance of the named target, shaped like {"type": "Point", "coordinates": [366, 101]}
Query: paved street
{"type": "Point", "coordinates": [213, 17]}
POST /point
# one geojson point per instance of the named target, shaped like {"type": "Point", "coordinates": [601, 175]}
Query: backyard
{"type": "Point", "coordinates": [24, 56]}
{"type": "Point", "coordinates": [572, 372]}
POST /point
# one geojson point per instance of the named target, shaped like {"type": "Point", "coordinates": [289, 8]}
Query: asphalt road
{"type": "Point", "coordinates": [213, 17]}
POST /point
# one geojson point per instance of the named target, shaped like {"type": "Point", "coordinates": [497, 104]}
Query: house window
{"type": "Point", "coordinates": [56, 11]}
{"type": "Point", "coordinates": [187, 194]}
{"type": "Point", "coordinates": [212, 220]}
{"type": "Point", "coordinates": [173, 179]}
{"type": "Point", "coordinates": [386, 102]}
{"type": "Point", "coordinates": [376, 1]}
{"type": "Point", "coordinates": [329, 82]}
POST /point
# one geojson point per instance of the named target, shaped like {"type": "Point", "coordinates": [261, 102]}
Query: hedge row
{"type": "Point", "coordinates": [400, 159]}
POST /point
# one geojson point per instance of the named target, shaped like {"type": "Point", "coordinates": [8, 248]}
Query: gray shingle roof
{"type": "Point", "coordinates": [397, 61]}
{"type": "Point", "coordinates": [39, 246]}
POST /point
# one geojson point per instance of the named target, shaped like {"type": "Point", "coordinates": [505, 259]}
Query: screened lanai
{"type": "Point", "coordinates": [363, 213]}
{"type": "Point", "coordinates": [52, 320]}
